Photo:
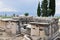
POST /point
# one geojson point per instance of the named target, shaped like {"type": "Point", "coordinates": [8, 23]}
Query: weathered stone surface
{"type": "Point", "coordinates": [27, 19]}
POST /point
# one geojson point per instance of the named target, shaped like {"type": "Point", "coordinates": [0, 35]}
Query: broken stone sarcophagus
{"type": "Point", "coordinates": [44, 27]}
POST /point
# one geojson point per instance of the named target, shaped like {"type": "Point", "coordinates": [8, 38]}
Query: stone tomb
{"type": "Point", "coordinates": [38, 29]}
{"type": "Point", "coordinates": [44, 27]}
{"type": "Point", "coordinates": [10, 26]}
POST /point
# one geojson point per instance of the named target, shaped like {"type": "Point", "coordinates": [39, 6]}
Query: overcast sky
{"type": "Point", "coordinates": [23, 6]}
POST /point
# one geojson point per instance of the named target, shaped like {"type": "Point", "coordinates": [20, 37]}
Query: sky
{"type": "Point", "coordinates": [23, 6]}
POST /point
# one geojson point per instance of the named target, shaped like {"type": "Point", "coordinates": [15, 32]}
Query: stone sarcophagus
{"type": "Point", "coordinates": [44, 27]}
{"type": "Point", "coordinates": [9, 25]}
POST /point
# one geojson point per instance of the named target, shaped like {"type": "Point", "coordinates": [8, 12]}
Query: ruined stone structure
{"type": "Point", "coordinates": [42, 28]}
{"type": "Point", "coordinates": [9, 25]}
{"type": "Point", "coordinates": [45, 27]}
{"type": "Point", "coordinates": [50, 29]}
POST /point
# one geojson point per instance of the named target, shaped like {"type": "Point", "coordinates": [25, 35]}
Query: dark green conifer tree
{"type": "Point", "coordinates": [44, 8]}
{"type": "Point", "coordinates": [38, 10]}
{"type": "Point", "coordinates": [52, 7]}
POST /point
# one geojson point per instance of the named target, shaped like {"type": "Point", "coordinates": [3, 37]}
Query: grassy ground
{"type": "Point", "coordinates": [6, 16]}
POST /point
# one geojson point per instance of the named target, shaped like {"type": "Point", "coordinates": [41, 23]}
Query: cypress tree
{"type": "Point", "coordinates": [44, 7]}
{"type": "Point", "coordinates": [38, 10]}
{"type": "Point", "coordinates": [52, 7]}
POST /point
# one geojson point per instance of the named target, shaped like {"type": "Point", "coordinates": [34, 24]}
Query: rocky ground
{"type": "Point", "coordinates": [12, 38]}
